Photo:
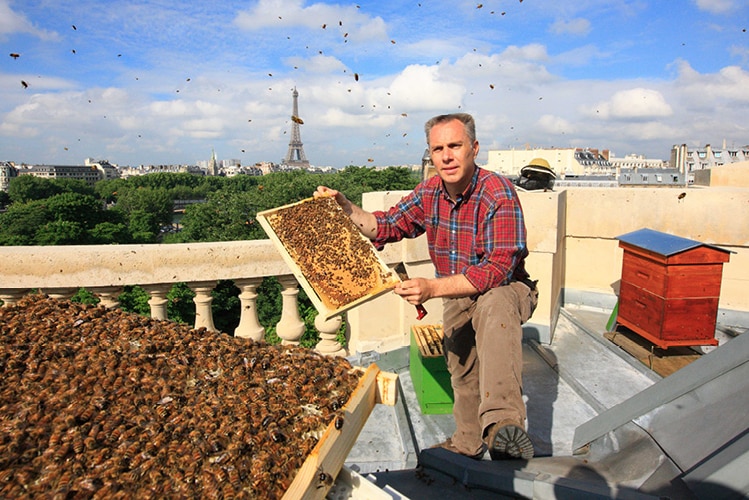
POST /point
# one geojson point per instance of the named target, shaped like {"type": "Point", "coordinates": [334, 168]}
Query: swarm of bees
{"type": "Point", "coordinates": [98, 403]}
{"type": "Point", "coordinates": [339, 264]}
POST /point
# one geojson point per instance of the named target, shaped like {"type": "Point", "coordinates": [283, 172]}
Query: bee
{"type": "Point", "coordinates": [324, 479]}
{"type": "Point", "coordinates": [234, 478]}
{"type": "Point", "coordinates": [63, 482]}
{"type": "Point", "coordinates": [54, 439]}
{"type": "Point", "coordinates": [338, 422]}
{"type": "Point", "coordinates": [78, 445]}
{"type": "Point", "coordinates": [59, 454]}
{"type": "Point", "coordinates": [277, 436]}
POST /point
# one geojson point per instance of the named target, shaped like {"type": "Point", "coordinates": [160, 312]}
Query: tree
{"type": "Point", "coordinates": [25, 188]}
{"type": "Point", "coordinates": [107, 233]}
{"type": "Point", "coordinates": [225, 216]}
{"type": "Point", "coordinates": [18, 226]}
{"type": "Point", "coordinates": [60, 232]}
{"type": "Point", "coordinates": [155, 201]}
{"type": "Point", "coordinates": [143, 226]}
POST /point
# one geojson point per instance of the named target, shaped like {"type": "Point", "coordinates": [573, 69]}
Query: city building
{"type": "Point", "coordinates": [7, 171]}
{"type": "Point", "coordinates": [572, 162]}
{"type": "Point", "coordinates": [689, 161]}
{"type": "Point", "coordinates": [91, 172]}
{"type": "Point", "coordinates": [126, 172]}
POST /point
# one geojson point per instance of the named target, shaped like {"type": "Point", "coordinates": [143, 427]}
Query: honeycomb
{"type": "Point", "coordinates": [429, 340]}
{"type": "Point", "coordinates": [99, 403]}
{"type": "Point", "coordinates": [336, 260]}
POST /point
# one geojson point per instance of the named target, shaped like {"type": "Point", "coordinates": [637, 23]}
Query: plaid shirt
{"type": "Point", "coordinates": [481, 234]}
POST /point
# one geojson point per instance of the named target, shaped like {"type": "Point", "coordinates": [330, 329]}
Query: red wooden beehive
{"type": "Point", "coordinates": [670, 288]}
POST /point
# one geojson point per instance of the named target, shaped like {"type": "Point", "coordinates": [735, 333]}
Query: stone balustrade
{"type": "Point", "coordinates": [572, 238]}
{"type": "Point", "coordinates": [104, 270]}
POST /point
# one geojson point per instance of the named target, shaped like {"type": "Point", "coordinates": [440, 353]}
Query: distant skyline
{"type": "Point", "coordinates": [165, 82]}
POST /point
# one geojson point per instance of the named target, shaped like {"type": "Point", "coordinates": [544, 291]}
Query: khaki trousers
{"type": "Point", "coordinates": [484, 353]}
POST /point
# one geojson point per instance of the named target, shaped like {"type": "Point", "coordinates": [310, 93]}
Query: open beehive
{"type": "Point", "coordinates": [336, 265]}
{"type": "Point", "coordinates": [98, 403]}
{"type": "Point", "coordinates": [428, 370]}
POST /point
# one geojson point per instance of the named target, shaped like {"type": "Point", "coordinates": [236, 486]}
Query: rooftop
{"type": "Point", "coordinates": [602, 421]}
{"type": "Point", "coordinates": [582, 377]}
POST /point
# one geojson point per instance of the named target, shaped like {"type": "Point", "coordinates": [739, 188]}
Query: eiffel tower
{"type": "Point", "coordinates": [295, 156]}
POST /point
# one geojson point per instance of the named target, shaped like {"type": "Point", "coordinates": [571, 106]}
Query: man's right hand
{"type": "Point", "coordinates": [340, 198]}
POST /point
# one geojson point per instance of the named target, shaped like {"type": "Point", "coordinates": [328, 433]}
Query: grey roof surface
{"type": "Point", "coordinates": [579, 381]}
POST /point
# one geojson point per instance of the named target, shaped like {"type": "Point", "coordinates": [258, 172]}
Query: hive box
{"type": "Point", "coordinates": [670, 288]}
{"type": "Point", "coordinates": [428, 370]}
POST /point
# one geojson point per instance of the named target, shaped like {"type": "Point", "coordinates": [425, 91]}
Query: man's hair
{"type": "Point", "coordinates": [464, 118]}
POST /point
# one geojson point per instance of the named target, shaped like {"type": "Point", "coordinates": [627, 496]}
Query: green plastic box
{"type": "Point", "coordinates": [430, 377]}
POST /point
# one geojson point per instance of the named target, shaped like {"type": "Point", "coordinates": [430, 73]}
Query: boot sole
{"type": "Point", "coordinates": [511, 441]}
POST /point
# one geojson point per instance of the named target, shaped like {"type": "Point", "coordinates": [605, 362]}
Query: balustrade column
{"type": "Point", "coordinates": [158, 300]}
{"type": "Point", "coordinates": [10, 296]}
{"type": "Point", "coordinates": [249, 324]}
{"type": "Point", "coordinates": [291, 327]}
{"type": "Point", "coordinates": [328, 331]}
{"type": "Point", "coordinates": [61, 293]}
{"type": "Point", "coordinates": [108, 295]}
{"type": "Point", "coordinates": [203, 300]}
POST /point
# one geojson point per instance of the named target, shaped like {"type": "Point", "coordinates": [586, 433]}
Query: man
{"type": "Point", "coordinates": [477, 242]}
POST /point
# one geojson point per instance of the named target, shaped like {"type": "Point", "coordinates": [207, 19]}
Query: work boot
{"type": "Point", "coordinates": [506, 440]}
{"type": "Point", "coordinates": [449, 446]}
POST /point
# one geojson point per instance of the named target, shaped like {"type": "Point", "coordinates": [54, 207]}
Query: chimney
{"type": "Point", "coordinates": [605, 154]}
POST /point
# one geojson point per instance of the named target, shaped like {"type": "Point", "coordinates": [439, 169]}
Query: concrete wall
{"type": "Point", "coordinates": [733, 176]}
{"type": "Point", "coordinates": [574, 252]}
{"type": "Point", "coordinates": [595, 217]}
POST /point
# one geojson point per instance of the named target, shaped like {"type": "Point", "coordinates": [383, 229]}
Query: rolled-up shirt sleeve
{"type": "Point", "coordinates": [403, 220]}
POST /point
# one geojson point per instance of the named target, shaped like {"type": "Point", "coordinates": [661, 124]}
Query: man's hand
{"type": "Point", "coordinates": [419, 290]}
{"type": "Point", "coordinates": [415, 291]}
{"type": "Point", "coordinates": [365, 221]}
{"type": "Point", "coordinates": [340, 198]}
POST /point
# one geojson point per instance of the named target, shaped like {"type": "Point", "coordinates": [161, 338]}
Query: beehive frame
{"type": "Point", "coordinates": [329, 455]}
{"type": "Point", "coordinates": [367, 262]}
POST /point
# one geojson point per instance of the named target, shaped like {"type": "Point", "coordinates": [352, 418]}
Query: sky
{"type": "Point", "coordinates": [153, 82]}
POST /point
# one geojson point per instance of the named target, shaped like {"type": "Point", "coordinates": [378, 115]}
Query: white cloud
{"type": "Point", "coordinates": [578, 27]}
{"type": "Point", "coordinates": [555, 125]}
{"type": "Point", "coordinates": [637, 103]}
{"type": "Point", "coordinates": [321, 64]}
{"type": "Point", "coordinates": [420, 87]}
{"type": "Point", "coordinates": [11, 22]}
{"type": "Point", "coordinates": [730, 83]}
{"type": "Point", "coordinates": [292, 13]}
{"type": "Point", "coordinates": [717, 6]}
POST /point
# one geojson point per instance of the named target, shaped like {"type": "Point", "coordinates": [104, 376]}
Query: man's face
{"type": "Point", "coordinates": [453, 155]}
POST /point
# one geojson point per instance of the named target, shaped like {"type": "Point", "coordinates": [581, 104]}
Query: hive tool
{"type": "Point", "coordinates": [400, 270]}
